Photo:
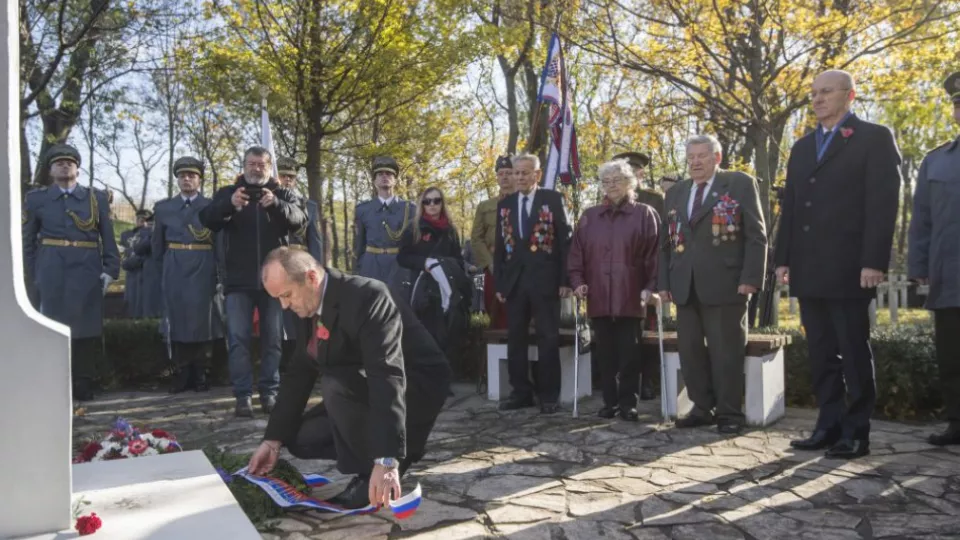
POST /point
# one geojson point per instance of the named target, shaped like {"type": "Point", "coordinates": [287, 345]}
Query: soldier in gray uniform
{"type": "Point", "coordinates": [380, 223]}
{"type": "Point", "coordinates": [151, 301]}
{"type": "Point", "coordinates": [308, 239]}
{"type": "Point", "coordinates": [71, 256]}
{"type": "Point", "coordinates": [933, 260]}
{"type": "Point", "coordinates": [132, 267]}
{"type": "Point", "coordinates": [185, 250]}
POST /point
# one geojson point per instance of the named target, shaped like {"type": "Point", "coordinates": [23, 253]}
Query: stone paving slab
{"type": "Point", "coordinates": [525, 476]}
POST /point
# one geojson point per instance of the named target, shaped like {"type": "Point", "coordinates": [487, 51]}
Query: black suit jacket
{"type": "Point", "coordinates": [540, 270]}
{"type": "Point", "coordinates": [369, 332]}
{"type": "Point", "coordinates": [838, 215]}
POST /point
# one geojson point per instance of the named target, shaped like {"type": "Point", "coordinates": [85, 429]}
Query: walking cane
{"type": "Point", "coordinates": [663, 363]}
{"type": "Point", "coordinates": [576, 354]}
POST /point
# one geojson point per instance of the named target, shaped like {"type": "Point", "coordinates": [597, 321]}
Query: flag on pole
{"type": "Point", "coordinates": [266, 138]}
{"type": "Point", "coordinates": [563, 162]}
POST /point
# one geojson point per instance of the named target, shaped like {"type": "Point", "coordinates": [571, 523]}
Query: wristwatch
{"type": "Point", "coordinates": [388, 462]}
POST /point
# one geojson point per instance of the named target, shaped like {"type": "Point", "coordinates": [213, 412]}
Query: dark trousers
{"type": "Point", "coordinates": [521, 305]}
{"type": "Point", "coordinates": [495, 310]}
{"type": "Point", "coordinates": [190, 362]}
{"type": "Point", "coordinates": [337, 428]}
{"type": "Point", "coordinates": [841, 363]}
{"type": "Point", "coordinates": [946, 324]}
{"type": "Point", "coordinates": [616, 347]}
{"type": "Point", "coordinates": [83, 357]}
{"type": "Point", "coordinates": [712, 344]}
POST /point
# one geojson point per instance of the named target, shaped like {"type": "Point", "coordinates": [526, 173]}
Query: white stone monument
{"type": "Point", "coordinates": [35, 400]}
{"type": "Point", "coordinates": [168, 496]}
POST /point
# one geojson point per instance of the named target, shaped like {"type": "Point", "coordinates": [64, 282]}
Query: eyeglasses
{"type": "Point", "coordinates": [431, 201]}
{"type": "Point", "coordinates": [813, 94]}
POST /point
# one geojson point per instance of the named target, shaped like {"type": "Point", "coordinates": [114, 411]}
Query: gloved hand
{"type": "Point", "coordinates": [106, 280]}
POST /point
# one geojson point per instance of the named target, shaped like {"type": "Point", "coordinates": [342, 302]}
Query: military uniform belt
{"type": "Point", "coordinates": [190, 247]}
{"type": "Point", "coordinates": [69, 243]}
{"type": "Point", "coordinates": [381, 251]}
{"type": "Point", "coordinates": [298, 247]}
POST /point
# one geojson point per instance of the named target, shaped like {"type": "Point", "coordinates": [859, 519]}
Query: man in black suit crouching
{"type": "Point", "coordinates": [833, 248]}
{"type": "Point", "coordinates": [384, 379]}
{"type": "Point", "coordinates": [530, 269]}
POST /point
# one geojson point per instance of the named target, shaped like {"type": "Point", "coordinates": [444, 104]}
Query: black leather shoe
{"type": "Point", "coordinates": [607, 412]}
{"type": "Point", "coordinates": [355, 496]}
{"type": "Point", "coordinates": [82, 390]}
{"type": "Point", "coordinates": [630, 415]}
{"type": "Point", "coordinates": [727, 427]}
{"type": "Point", "coordinates": [267, 403]}
{"type": "Point", "coordinates": [512, 404]}
{"type": "Point", "coordinates": [949, 437]}
{"type": "Point", "coordinates": [646, 392]}
{"type": "Point", "coordinates": [849, 449]}
{"type": "Point", "coordinates": [694, 420]}
{"type": "Point", "coordinates": [549, 408]}
{"type": "Point", "coordinates": [819, 440]}
{"type": "Point", "coordinates": [244, 408]}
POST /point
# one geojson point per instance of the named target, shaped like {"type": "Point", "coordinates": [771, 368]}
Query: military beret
{"type": "Point", "coordinates": [385, 163]}
{"type": "Point", "coordinates": [188, 164]}
{"type": "Point", "coordinates": [62, 151]}
{"type": "Point", "coordinates": [504, 162]}
{"type": "Point", "coordinates": [636, 159]}
{"type": "Point", "coordinates": [952, 86]}
{"type": "Point", "coordinates": [287, 165]}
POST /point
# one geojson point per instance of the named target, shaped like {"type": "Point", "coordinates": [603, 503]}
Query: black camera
{"type": "Point", "coordinates": [254, 192]}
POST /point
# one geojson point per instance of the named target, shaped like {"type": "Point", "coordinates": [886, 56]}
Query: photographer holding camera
{"type": "Point", "coordinates": [255, 214]}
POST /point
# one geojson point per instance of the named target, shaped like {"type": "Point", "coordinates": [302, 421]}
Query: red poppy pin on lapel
{"type": "Point", "coordinates": [846, 132]}
{"type": "Point", "coordinates": [322, 333]}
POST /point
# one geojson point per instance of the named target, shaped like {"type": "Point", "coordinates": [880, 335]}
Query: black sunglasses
{"type": "Point", "coordinates": [435, 200]}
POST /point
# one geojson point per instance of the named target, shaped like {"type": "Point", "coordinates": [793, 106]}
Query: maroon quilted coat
{"type": "Point", "coordinates": [615, 252]}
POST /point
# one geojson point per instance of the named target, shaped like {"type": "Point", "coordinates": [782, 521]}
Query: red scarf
{"type": "Point", "coordinates": [441, 223]}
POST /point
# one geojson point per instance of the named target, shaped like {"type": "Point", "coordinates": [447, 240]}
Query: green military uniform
{"type": "Point", "coordinates": [705, 255]}
{"type": "Point", "coordinates": [483, 239]}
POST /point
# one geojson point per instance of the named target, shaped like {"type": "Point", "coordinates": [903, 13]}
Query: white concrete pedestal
{"type": "Point", "coordinates": [158, 497]}
{"type": "Point", "coordinates": [498, 378]}
{"type": "Point", "coordinates": [765, 400]}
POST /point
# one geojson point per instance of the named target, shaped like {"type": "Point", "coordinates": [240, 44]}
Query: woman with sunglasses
{"type": "Point", "coordinates": [430, 251]}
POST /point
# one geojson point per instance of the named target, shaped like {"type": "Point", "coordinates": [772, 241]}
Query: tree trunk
{"type": "Point", "coordinates": [334, 236]}
{"type": "Point", "coordinates": [513, 116]}
{"type": "Point", "coordinates": [906, 206]}
{"type": "Point", "coordinates": [26, 173]}
{"type": "Point", "coordinates": [347, 246]}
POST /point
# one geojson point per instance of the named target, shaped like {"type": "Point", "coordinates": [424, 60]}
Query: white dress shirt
{"type": "Point", "coordinates": [693, 194]}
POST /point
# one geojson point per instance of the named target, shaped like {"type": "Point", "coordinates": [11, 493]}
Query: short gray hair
{"type": "Point", "coordinates": [296, 263]}
{"type": "Point", "coordinates": [621, 167]}
{"type": "Point", "coordinates": [705, 139]}
{"type": "Point", "coordinates": [526, 157]}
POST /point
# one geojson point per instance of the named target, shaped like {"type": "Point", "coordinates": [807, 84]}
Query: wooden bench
{"type": "Point", "coordinates": [498, 378]}
{"type": "Point", "coordinates": [763, 369]}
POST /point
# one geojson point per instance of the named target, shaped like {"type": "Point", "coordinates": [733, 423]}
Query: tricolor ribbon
{"type": "Point", "coordinates": [286, 496]}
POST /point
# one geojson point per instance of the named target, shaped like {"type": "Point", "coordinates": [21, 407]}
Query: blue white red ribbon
{"type": "Point", "coordinates": [286, 496]}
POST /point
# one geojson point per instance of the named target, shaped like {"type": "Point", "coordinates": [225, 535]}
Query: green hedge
{"type": "Point", "coordinates": [907, 375]}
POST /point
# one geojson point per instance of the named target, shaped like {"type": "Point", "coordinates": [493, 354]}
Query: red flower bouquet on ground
{"type": "Point", "coordinates": [126, 441]}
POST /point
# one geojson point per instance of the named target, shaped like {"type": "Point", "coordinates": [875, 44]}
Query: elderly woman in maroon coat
{"type": "Point", "coordinates": [613, 264]}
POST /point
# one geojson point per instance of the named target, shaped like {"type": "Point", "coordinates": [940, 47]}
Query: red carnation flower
{"type": "Point", "coordinates": [161, 434]}
{"type": "Point", "coordinates": [322, 333]}
{"type": "Point", "coordinates": [90, 450]}
{"type": "Point", "coordinates": [138, 446]}
{"type": "Point", "coordinates": [846, 132]}
{"type": "Point", "coordinates": [88, 524]}
{"type": "Point", "coordinates": [426, 237]}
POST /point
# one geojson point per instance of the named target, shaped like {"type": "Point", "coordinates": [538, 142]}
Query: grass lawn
{"type": "Point", "coordinates": [905, 316]}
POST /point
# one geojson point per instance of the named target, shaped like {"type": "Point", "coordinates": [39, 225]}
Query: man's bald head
{"type": "Point", "coordinates": [837, 78]}
{"type": "Point", "coordinates": [832, 96]}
